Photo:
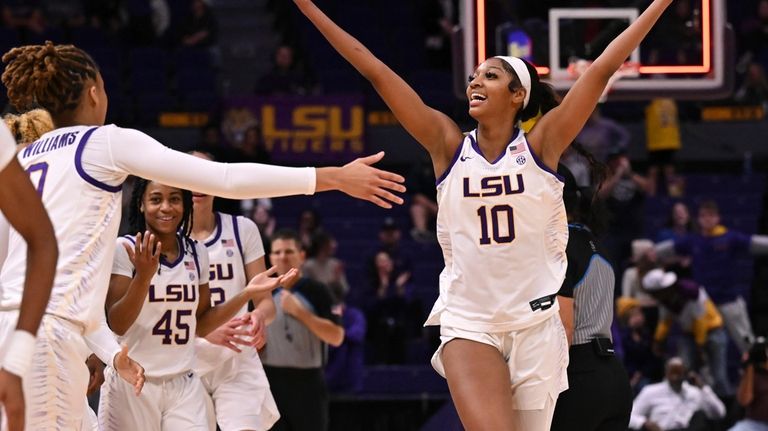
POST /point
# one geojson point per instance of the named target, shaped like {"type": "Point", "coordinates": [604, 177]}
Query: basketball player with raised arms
{"type": "Point", "coordinates": [501, 223]}
{"type": "Point", "coordinates": [227, 359]}
{"type": "Point", "coordinates": [159, 303]}
{"type": "Point", "coordinates": [21, 207]}
{"type": "Point", "coordinates": [79, 168]}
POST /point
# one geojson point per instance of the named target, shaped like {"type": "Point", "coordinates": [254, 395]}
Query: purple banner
{"type": "Point", "coordinates": [302, 129]}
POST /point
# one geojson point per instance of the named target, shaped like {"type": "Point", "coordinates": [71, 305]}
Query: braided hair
{"type": "Point", "coordinates": [136, 218]}
{"type": "Point", "coordinates": [49, 76]}
{"type": "Point", "coordinates": [29, 126]}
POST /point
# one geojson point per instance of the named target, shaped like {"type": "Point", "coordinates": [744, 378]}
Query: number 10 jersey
{"type": "Point", "coordinates": [503, 230]}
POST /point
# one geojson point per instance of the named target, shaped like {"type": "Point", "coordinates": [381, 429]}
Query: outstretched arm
{"type": "Point", "coordinates": [133, 152]}
{"type": "Point", "coordinates": [431, 128]}
{"type": "Point", "coordinates": [557, 129]}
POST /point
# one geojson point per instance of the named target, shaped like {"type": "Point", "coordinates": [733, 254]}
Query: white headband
{"type": "Point", "coordinates": [522, 73]}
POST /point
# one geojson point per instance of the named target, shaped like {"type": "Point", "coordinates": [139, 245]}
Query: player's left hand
{"type": "Point", "coordinates": [258, 328]}
{"type": "Point", "coordinates": [96, 370]}
{"type": "Point", "coordinates": [129, 370]}
{"type": "Point", "coordinates": [12, 400]}
{"type": "Point", "coordinates": [361, 180]}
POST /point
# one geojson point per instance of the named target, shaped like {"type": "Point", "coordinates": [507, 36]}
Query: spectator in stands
{"type": "Point", "coordinates": [713, 251]}
{"type": "Point", "coordinates": [294, 355]}
{"type": "Point", "coordinates": [388, 312]}
{"type": "Point", "coordinates": [753, 389]}
{"type": "Point", "coordinates": [624, 192]}
{"type": "Point", "coordinates": [603, 136]}
{"type": "Point", "coordinates": [310, 224]}
{"type": "Point", "coordinates": [389, 242]}
{"type": "Point", "coordinates": [642, 365]}
{"type": "Point", "coordinates": [199, 29]}
{"type": "Point", "coordinates": [323, 267]}
{"type": "Point", "coordinates": [438, 18]}
{"type": "Point", "coordinates": [679, 225]}
{"type": "Point", "coordinates": [676, 404]}
{"type": "Point", "coordinates": [662, 131]}
{"type": "Point", "coordinates": [23, 15]}
{"type": "Point", "coordinates": [251, 147]}
{"type": "Point", "coordinates": [578, 165]}
{"type": "Point", "coordinates": [261, 214]}
{"type": "Point", "coordinates": [686, 302]}
{"type": "Point", "coordinates": [344, 371]}
{"type": "Point", "coordinates": [421, 187]}
{"type": "Point", "coordinates": [754, 89]}
{"type": "Point", "coordinates": [287, 76]}
{"type": "Point", "coordinates": [643, 260]}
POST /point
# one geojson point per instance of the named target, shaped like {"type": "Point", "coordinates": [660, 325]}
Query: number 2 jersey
{"type": "Point", "coordinates": [162, 339]}
{"type": "Point", "coordinates": [235, 243]}
{"type": "Point", "coordinates": [503, 230]}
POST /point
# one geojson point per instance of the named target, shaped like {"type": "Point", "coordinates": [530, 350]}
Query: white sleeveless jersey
{"type": "Point", "coordinates": [503, 230]}
{"type": "Point", "coordinates": [235, 243]}
{"type": "Point", "coordinates": [162, 339]}
{"type": "Point", "coordinates": [85, 219]}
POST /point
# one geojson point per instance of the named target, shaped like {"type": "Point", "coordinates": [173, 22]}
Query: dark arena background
{"type": "Point", "coordinates": [252, 80]}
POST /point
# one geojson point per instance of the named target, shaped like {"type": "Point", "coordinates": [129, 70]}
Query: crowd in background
{"type": "Point", "coordinates": [668, 303]}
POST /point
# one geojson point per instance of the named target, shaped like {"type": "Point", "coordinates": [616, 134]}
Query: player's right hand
{"type": "Point", "coordinates": [228, 334]}
{"type": "Point", "coordinates": [12, 400]}
{"type": "Point", "coordinates": [129, 370]}
{"type": "Point", "coordinates": [145, 254]}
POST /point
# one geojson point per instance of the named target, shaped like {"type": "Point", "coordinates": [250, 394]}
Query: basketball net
{"type": "Point", "coordinates": [630, 69]}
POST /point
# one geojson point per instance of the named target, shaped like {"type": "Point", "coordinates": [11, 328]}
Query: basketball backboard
{"type": "Point", "coordinates": [688, 54]}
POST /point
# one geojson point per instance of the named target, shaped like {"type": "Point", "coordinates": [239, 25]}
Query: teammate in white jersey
{"type": "Point", "coordinates": [158, 303]}
{"type": "Point", "coordinates": [501, 223]}
{"type": "Point", "coordinates": [21, 207]}
{"type": "Point", "coordinates": [231, 371]}
{"type": "Point", "coordinates": [79, 169]}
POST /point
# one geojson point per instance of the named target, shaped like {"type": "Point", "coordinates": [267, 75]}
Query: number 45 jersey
{"type": "Point", "coordinates": [162, 339]}
{"type": "Point", "coordinates": [503, 230]}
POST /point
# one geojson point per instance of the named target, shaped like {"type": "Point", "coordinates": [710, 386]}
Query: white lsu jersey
{"type": "Point", "coordinates": [85, 219]}
{"type": "Point", "coordinates": [503, 230]}
{"type": "Point", "coordinates": [162, 339]}
{"type": "Point", "coordinates": [235, 243]}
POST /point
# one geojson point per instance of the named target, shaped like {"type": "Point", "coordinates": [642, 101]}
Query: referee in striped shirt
{"type": "Point", "coordinates": [599, 396]}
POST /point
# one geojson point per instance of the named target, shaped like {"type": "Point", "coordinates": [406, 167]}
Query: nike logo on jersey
{"type": "Point", "coordinates": [494, 186]}
{"type": "Point", "coordinates": [464, 158]}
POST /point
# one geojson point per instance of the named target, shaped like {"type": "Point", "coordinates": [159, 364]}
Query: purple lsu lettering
{"type": "Point", "coordinates": [218, 271]}
{"type": "Point", "coordinates": [173, 293]}
{"type": "Point", "coordinates": [494, 186]}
